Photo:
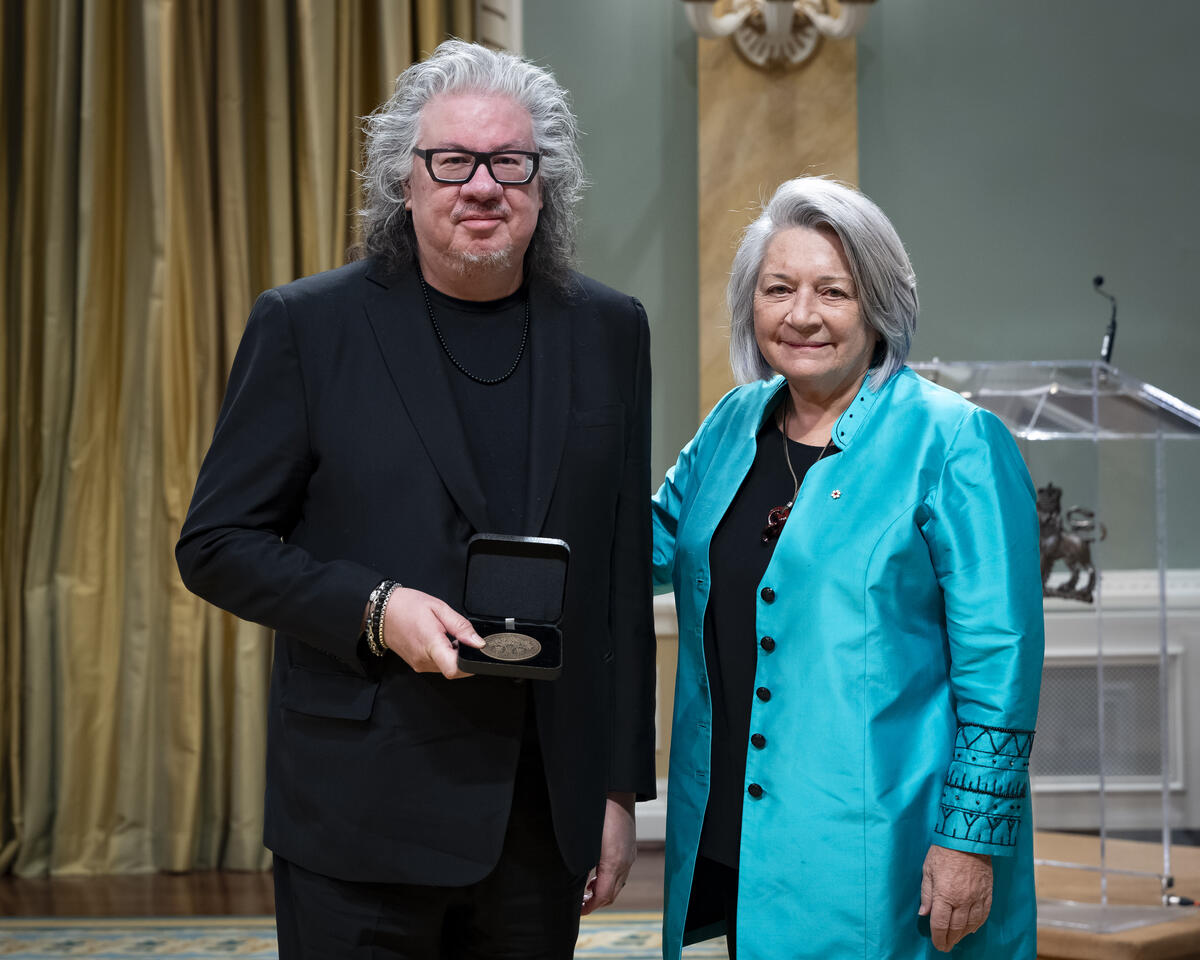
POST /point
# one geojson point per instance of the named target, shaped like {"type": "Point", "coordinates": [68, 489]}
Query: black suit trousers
{"type": "Point", "coordinates": [527, 908]}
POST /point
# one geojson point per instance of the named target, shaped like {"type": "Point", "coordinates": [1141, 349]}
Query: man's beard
{"type": "Point", "coordinates": [480, 264]}
{"type": "Point", "coordinates": [475, 264]}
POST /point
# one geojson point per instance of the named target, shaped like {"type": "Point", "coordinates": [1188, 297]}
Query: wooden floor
{"type": "Point", "coordinates": [1178, 939]}
{"type": "Point", "coordinates": [216, 894]}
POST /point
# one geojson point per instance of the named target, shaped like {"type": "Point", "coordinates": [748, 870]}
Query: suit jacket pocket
{"type": "Point", "coordinates": [341, 696]}
{"type": "Point", "coordinates": [611, 414]}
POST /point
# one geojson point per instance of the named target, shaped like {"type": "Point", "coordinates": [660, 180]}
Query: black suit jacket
{"type": "Point", "coordinates": [338, 460]}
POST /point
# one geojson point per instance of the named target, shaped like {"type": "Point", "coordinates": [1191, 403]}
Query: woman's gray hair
{"type": "Point", "coordinates": [392, 132]}
{"type": "Point", "coordinates": [882, 273]}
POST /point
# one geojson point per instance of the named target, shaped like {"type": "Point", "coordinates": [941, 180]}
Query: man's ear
{"type": "Point", "coordinates": [407, 191]}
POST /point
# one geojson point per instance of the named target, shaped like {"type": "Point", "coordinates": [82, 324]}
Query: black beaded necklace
{"type": "Point", "coordinates": [486, 381]}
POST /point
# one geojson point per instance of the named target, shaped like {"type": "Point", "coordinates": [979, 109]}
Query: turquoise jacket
{"type": "Point", "coordinates": [903, 681]}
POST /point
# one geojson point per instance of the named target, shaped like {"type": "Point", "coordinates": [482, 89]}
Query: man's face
{"type": "Point", "coordinates": [480, 227]}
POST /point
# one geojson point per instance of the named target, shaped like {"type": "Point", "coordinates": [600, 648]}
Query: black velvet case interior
{"type": "Point", "coordinates": [524, 578]}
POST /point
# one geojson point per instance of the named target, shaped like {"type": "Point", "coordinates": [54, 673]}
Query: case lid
{"type": "Point", "coordinates": [520, 577]}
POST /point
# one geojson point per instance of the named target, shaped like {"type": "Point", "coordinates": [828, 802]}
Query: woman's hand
{"type": "Point", "coordinates": [956, 894]}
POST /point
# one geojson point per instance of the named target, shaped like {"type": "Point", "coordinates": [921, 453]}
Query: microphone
{"type": "Point", "coordinates": [1110, 335]}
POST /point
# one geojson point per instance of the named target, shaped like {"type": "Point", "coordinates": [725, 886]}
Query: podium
{"type": "Point", "coordinates": [1106, 452]}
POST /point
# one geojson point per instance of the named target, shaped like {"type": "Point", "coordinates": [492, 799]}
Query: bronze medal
{"type": "Point", "coordinates": [510, 646]}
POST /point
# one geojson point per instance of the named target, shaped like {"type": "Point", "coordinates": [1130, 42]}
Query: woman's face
{"type": "Point", "coordinates": [807, 319]}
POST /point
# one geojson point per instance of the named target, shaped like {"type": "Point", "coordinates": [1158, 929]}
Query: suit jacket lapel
{"type": "Point", "coordinates": [413, 356]}
{"type": "Point", "coordinates": [550, 351]}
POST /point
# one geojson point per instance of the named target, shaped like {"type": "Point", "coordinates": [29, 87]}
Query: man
{"type": "Point", "coordinates": [459, 379]}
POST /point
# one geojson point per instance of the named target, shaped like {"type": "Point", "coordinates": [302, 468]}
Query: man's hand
{"type": "Point", "coordinates": [618, 849]}
{"type": "Point", "coordinates": [956, 893]}
{"type": "Point", "coordinates": [415, 626]}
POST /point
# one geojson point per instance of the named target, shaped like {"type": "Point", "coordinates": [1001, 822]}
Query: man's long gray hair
{"type": "Point", "coordinates": [883, 275]}
{"type": "Point", "coordinates": [392, 132]}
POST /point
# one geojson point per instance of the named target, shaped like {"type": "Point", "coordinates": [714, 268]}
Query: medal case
{"type": "Point", "coordinates": [515, 585]}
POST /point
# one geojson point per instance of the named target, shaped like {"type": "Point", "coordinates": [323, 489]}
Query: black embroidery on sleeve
{"type": "Point", "coordinates": [986, 785]}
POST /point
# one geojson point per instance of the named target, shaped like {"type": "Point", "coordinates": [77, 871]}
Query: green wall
{"type": "Point", "coordinates": [1022, 148]}
{"type": "Point", "coordinates": [631, 68]}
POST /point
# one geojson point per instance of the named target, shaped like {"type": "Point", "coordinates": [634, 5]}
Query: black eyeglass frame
{"type": "Point", "coordinates": [480, 156]}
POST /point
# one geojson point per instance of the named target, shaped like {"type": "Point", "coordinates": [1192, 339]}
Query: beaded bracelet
{"type": "Point", "coordinates": [373, 619]}
{"type": "Point", "coordinates": [381, 645]}
{"type": "Point", "coordinates": [372, 603]}
{"type": "Point", "coordinates": [375, 616]}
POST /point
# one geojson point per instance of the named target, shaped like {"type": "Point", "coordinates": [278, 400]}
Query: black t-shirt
{"type": "Point", "coordinates": [737, 561]}
{"type": "Point", "coordinates": [484, 337]}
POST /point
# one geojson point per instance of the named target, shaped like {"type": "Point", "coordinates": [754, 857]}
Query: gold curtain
{"type": "Point", "coordinates": [164, 161]}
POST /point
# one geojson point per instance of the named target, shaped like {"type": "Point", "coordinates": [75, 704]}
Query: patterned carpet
{"type": "Point", "coordinates": [163, 938]}
{"type": "Point", "coordinates": [614, 936]}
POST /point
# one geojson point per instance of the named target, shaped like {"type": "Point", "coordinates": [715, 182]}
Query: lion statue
{"type": "Point", "coordinates": [1067, 539]}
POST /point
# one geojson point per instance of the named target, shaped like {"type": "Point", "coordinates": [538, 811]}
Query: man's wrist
{"type": "Point", "coordinates": [376, 610]}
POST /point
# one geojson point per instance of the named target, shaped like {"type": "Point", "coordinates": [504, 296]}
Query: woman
{"type": "Point", "coordinates": [855, 563]}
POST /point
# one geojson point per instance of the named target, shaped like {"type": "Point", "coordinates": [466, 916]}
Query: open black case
{"type": "Point", "coordinates": [516, 584]}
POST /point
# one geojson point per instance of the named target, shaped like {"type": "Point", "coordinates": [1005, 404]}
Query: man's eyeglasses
{"type": "Point", "coordinates": [458, 166]}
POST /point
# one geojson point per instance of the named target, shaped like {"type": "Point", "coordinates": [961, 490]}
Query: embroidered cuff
{"type": "Point", "coordinates": [983, 798]}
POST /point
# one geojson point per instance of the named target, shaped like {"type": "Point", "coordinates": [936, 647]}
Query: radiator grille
{"type": "Point", "coordinates": [1067, 744]}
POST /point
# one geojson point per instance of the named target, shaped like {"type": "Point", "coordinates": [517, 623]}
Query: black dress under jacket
{"type": "Point", "coordinates": [338, 460]}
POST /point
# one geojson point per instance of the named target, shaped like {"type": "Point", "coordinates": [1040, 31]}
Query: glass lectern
{"type": "Point", "coordinates": [1107, 453]}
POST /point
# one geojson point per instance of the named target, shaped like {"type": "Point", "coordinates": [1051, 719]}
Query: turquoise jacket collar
{"type": "Point", "coordinates": [848, 424]}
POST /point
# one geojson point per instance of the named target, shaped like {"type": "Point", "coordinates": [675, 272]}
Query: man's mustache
{"type": "Point", "coordinates": [478, 210]}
